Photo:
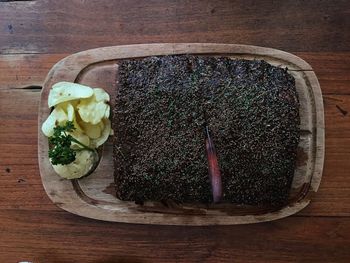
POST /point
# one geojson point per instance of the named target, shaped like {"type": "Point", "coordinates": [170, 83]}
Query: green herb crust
{"type": "Point", "coordinates": [162, 105]}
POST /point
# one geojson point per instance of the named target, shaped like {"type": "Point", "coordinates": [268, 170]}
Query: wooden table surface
{"type": "Point", "coordinates": [36, 34]}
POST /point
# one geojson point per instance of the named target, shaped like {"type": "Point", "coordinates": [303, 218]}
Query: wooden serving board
{"type": "Point", "coordinates": [94, 196]}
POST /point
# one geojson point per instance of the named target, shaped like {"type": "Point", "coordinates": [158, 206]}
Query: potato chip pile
{"type": "Point", "coordinates": [89, 111]}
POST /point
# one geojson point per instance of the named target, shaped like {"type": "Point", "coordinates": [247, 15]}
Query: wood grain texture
{"type": "Point", "coordinates": [50, 27]}
{"type": "Point", "coordinates": [32, 228]}
{"type": "Point", "coordinates": [294, 239]}
{"type": "Point", "coordinates": [28, 70]}
{"type": "Point", "coordinates": [86, 197]}
{"type": "Point", "coordinates": [333, 197]}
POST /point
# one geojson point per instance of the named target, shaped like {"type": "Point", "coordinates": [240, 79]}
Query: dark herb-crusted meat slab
{"type": "Point", "coordinates": [252, 110]}
{"type": "Point", "coordinates": [162, 106]}
{"type": "Point", "coordinates": [158, 144]}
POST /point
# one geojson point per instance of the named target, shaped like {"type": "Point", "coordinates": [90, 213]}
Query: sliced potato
{"type": "Point", "coordinates": [91, 111]}
{"type": "Point", "coordinates": [104, 136]}
{"type": "Point", "coordinates": [91, 130]}
{"type": "Point", "coordinates": [101, 95]}
{"type": "Point", "coordinates": [67, 91]}
{"type": "Point", "coordinates": [64, 105]}
{"type": "Point", "coordinates": [68, 109]}
{"type": "Point", "coordinates": [57, 117]}
{"type": "Point", "coordinates": [77, 121]}
{"type": "Point", "coordinates": [107, 113]}
{"type": "Point", "coordinates": [83, 138]}
{"type": "Point", "coordinates": [61, 115]}
{"type": "Point", "coordinates": [71, 114]}
{"type": "Point", "coordinates": [84, 161]}
{"type": "Point", "coordinates": [77, 127]}
{"type": "Point", "coordinates": [48, 125]}
{"type": "Point", "coordinates": [102, 125]}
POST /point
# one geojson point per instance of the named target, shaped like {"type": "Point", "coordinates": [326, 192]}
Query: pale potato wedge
{"type": "Point", "coordinates": [91, 110]}
{"type": "Point", "coordinates": [91, 130]}
{"type": "Point", "coordinates": [68, 108]}
{"type": "Point", "coordinates": [84, 161]}
{"type": "Point", "coordinates": [48, 125]}
{"type": "Point", "coordinates": [83, 138]}
{"type": "Point", "coordinates": [64, 105]}
{"type": "Point", "coordinates": [67, 91]}
{"type": "Point", "coordinates": [102, 125]}
{"type": "Point", "coordinates": [57, 117]}
{"type": "Point", "coordinates": [101, 95]}
{"type": "Point", "coordinates": [70, 111]}
{"type": "Point", "coordinates": [104, 136]}
{"type": "Point", "coordinates": [107, 113]}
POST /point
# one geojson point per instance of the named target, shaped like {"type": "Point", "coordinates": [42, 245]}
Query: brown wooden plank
{"type": "Point", "coordinates": [21, 158]}
{"type": "Point", "coordinates": [48, 26]}
{"type": "Point", "coordinates": [21, 184]}
{"type": "Point", "coordinates": [32, 228]}
{"type": "Point", "coordinates": [64, 193]}
{"type": "Point", "coordinates": [18, 136]}
{"type": "Point", "coordinates": [61, 237]}
{"type": "Point", "coordinates": [332, 70]}
{"type": "Point", "coordinates": [19, 71]}
{"type": "Point", "coordinates": [332, 198]}
{"type": "Point", "coordinates": [335, 186]}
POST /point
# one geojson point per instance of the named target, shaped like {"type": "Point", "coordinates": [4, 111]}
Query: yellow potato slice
{"type": "Point", "coordinates": [68, 108]}
{"type": "Point", "coordinates": [77, 127]}
{"type": "Point", "coordinates": [57, 117]}
{"type": "Point", "coordinates": [60, 116]}
{"type": "Point", "coordinates": [48, 125]}
{"type": "Point", "coordinates": [64, 105]}
{"type": "Point", "coordinates": [94, 108]}
{"type": "Point", "coordinates": [84, 161]}
{"type": "Point", "coordinates": [102, 125]}
{"type": "Point", "coordinates": [77, 121]}
{"type": "Point", "coordinates": [101, 95]}
{"type": "Point", "coordinates": [107, 113]}
{"type": "Point", "coordinates": [91, 110]}
{"type": "Point", "coordinates": [67, 91]}
{"type": "Point", "coordinates": [91, 130]}
{"type": "Point", "coordinates": [83, 138]}
{"type": "Point", "coordinates": [70, 111]}
{"type": "Point", "coordinates": [104, 136]}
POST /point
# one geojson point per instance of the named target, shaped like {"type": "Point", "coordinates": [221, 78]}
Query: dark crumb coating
{"type": "Point", "coordinates": [162, 104]}
{"type": "Point", "coordinates": [158, 145]}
